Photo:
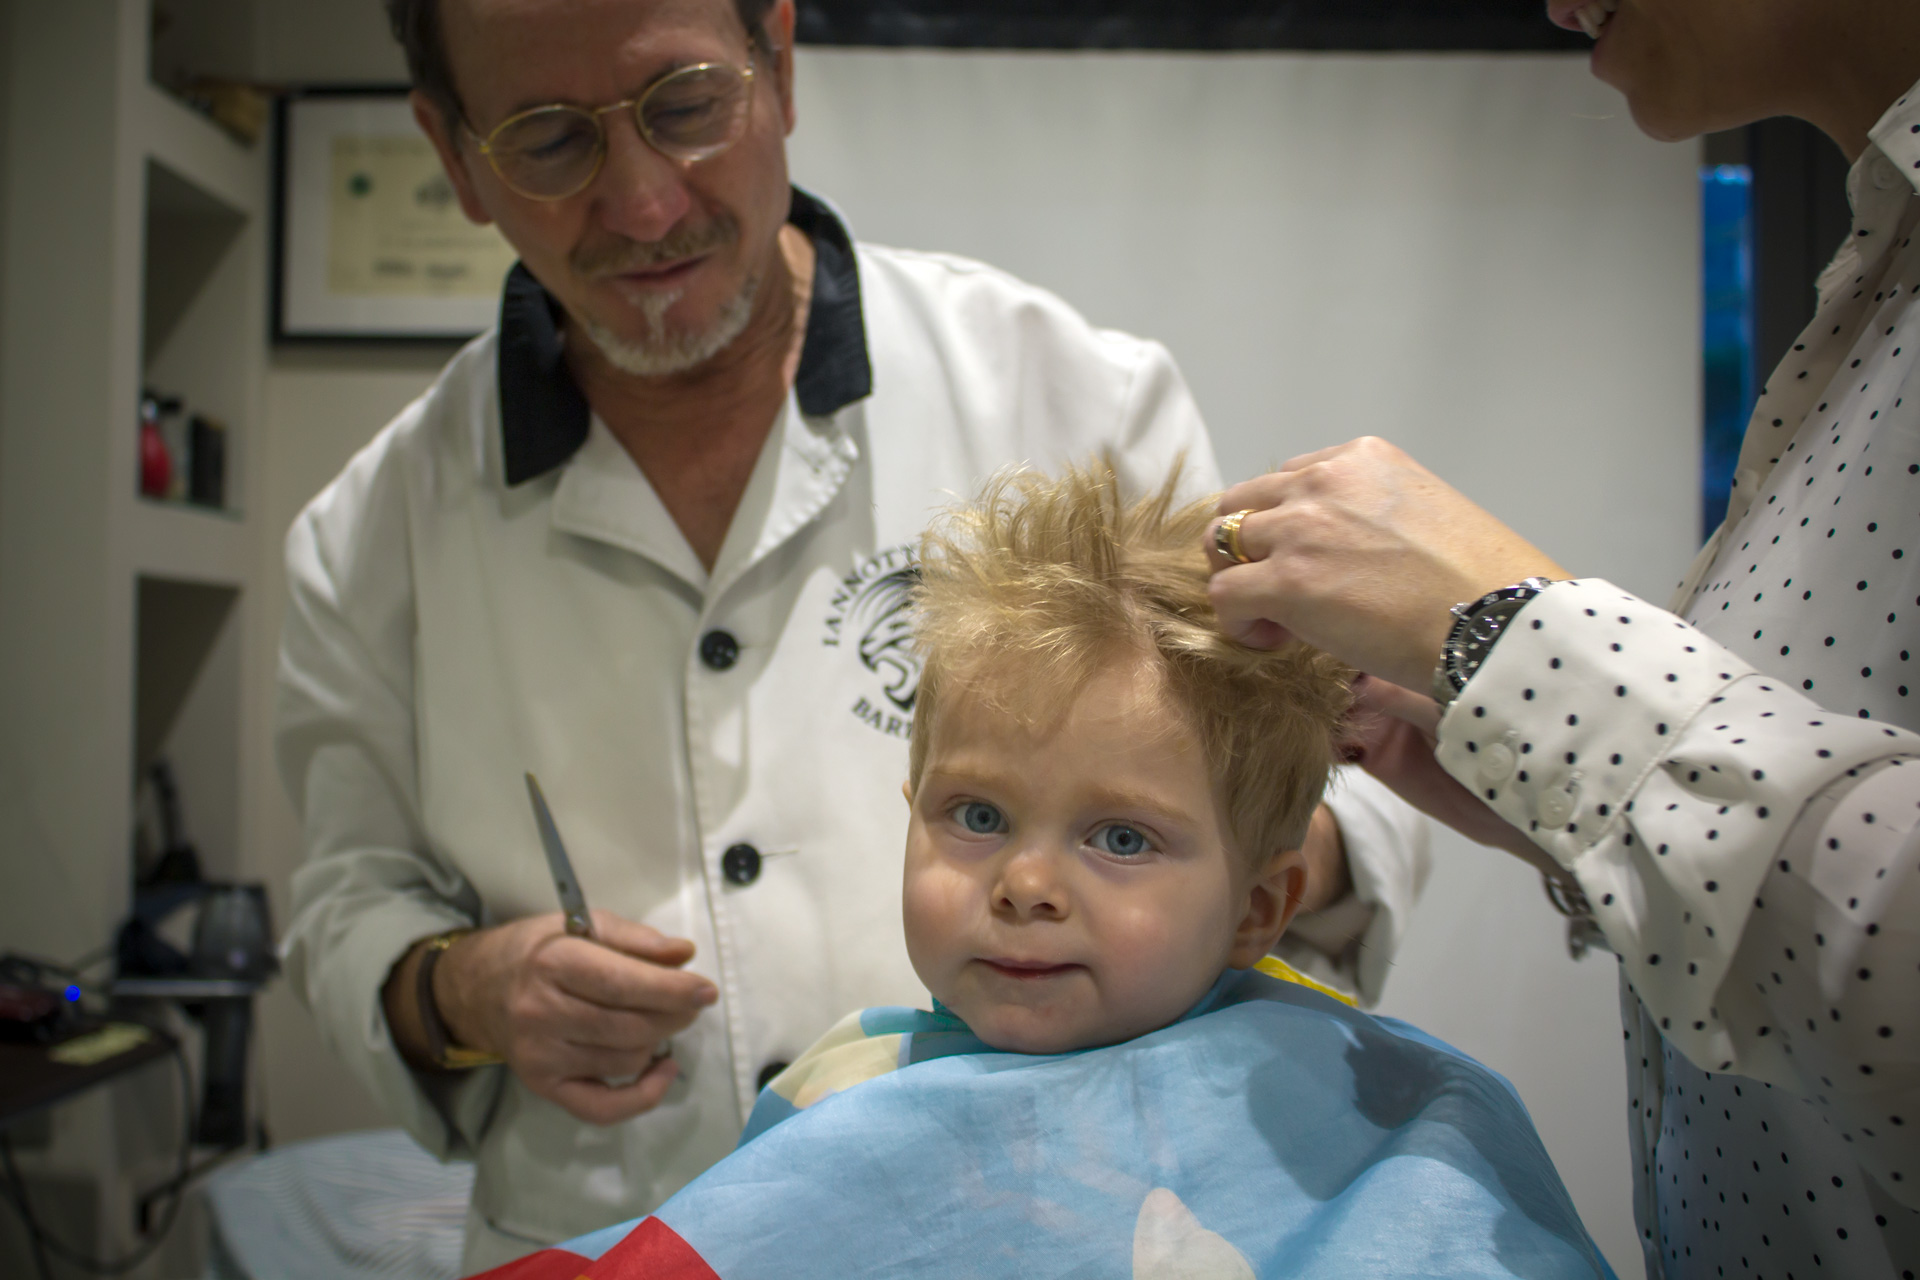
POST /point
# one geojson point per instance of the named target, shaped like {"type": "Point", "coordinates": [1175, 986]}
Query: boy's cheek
{"type": "Point", "coordinates": [1156, 954]}
{"type": "Point", "coordinates": [934, 909]}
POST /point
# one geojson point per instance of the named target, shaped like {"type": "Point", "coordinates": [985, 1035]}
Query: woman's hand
{"type": "Point", "coordinates": [1361, 551]}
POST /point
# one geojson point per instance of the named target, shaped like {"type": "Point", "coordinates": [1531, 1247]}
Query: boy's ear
{"type": "Point", "coordinates": [1272, 898]}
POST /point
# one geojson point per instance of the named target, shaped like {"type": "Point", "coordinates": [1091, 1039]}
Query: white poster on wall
{"type": "Point", "coordinates": [373, 242]}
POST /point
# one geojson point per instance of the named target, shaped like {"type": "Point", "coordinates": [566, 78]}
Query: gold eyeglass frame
{"type": "Point", "coordinates": [636, 105]}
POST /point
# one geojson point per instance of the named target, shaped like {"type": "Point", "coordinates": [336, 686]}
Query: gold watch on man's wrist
{"type": "Point", "coordinates": [441, 1050]}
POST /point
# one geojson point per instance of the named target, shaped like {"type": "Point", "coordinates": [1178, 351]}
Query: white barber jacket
{"type": "Point", "coordinates": [493, 587]}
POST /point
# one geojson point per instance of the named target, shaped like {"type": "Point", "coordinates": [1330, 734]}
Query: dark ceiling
{"type": "Point", "coordinates": [1353, 25]}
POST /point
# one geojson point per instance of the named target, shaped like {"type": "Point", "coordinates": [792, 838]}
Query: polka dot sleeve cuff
{"type": "Point", "coordinates": [1660, 769]}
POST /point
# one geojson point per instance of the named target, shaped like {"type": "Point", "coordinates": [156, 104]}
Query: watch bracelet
{"type": "Point", "coordinates": [441, 1050]}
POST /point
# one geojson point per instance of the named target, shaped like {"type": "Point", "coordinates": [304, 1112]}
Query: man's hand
{"type": "Point", "coordinates": [1392, 736]}
{"type": "Point", "coordinates": [1361, 551]}
{"type": "Point", "coordinates": [1328, 879]}
{"type": "Point", "coordinates": [568, 1015]}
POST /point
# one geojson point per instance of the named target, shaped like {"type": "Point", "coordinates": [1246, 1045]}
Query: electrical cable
{"type": "Point", "coordinates": [45, 1243]}
{"type": "Point", "coordinates": [41, 1263]}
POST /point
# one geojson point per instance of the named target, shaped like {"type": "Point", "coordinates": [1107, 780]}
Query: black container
{"type": "Point", "coordinates": [207, 465]}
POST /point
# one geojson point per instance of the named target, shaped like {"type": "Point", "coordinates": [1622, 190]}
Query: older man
{"type": "Point", "coordinates": [650, 540]}
{"type": "Point", "coordinates": [1726, 792]}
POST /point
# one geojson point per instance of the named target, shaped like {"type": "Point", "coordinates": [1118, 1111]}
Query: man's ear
{"type": "Point", "coordinates": [779, 26]}
{"type": "Point", "coordinates": [445, 136]}
{"type": "Point", "coordinates": [1273, 897]}
{"type": "Point", "coordinates": [906, 791]}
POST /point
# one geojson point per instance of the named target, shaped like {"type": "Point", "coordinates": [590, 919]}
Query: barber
{"type": "Point", "coordinates": [651, 539]}
{"type": "Point", "coordinates": [1729, 790]}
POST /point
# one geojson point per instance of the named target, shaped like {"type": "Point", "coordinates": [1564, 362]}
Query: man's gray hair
{"type": "Point", "coordinates": [416, 25]}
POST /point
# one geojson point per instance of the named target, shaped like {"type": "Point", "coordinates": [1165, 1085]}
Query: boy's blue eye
{"type": "Point", "coordinates": [980, 818]}
{"type": "Point", "coordinates": [1122, 840]}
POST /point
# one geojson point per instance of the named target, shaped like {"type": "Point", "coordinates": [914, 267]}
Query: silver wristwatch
{"type": "Point", "coordinates": [1476, 625]}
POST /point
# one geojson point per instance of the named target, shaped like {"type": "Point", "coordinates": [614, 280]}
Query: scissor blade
{"type": "Point", "coordinates": [572, 901]}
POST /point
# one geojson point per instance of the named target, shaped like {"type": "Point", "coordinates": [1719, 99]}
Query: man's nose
{"type": "Point", "coordinates": [1031, 885]}
{"type": "Point", "coordinates": [639, 193]}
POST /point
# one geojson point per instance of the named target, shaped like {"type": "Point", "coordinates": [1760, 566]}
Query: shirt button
{"type": "Point", "coordinates": [740, 864]}
{"type": "Point", "coordinates": [1496, 762]}
{"type": "Point", "coordinates": [1885, 176]}
{"type": "Point", "coordinates": [1556, 806]}
{"type": "Point", "coordinates": [719, 650]}
{"type": "Point", "coordinates": [768, 1072]}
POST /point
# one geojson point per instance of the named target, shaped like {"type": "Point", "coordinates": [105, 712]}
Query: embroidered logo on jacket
{"type": "Point", "coordinates": [871, 615]}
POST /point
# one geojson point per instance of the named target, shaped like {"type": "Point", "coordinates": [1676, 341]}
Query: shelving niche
{"type": "Point", "coordinates": [201, 277]}
{"type": "Point", "coordinates": [195, 296]}
{"type": "Point", "coordinates": [187, 707]}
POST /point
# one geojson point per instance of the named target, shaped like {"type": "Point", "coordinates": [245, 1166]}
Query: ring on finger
{"type": "Point", "coordinates": [1226, 538]}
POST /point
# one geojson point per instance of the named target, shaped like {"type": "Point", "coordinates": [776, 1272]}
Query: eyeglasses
{"type": "Point", "coordinates": [693, 114]}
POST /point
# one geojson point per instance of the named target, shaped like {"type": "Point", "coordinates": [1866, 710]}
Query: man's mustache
{"type": "Point", "coordinates": [602, 261]}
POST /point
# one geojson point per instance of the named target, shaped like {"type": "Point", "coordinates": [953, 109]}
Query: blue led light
{"type": "Point", "coordinates": [73, 993]}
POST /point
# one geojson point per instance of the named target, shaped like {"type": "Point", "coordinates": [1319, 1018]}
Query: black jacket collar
{"type": "Point", "coordinates": [543, 416]}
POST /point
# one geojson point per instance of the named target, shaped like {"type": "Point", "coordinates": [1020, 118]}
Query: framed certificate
{"type": "Point", "coordinates": [371, 240]}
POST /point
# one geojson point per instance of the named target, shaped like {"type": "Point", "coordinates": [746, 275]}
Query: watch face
{"type": "Point", "coordinates": [1486, 627]}
{"type": "Point", "coordinates": [1478, 627]}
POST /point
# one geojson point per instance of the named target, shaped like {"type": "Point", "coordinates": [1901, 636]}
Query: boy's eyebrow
{"type": "Point", "coordinates": [964, 775]}
{"type": "Point", "coordinates": [1115, 798]}
{"type": "Point", "coordinates": [1102, 797]}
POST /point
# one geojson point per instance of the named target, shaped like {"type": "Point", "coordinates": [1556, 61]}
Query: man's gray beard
{"type": "Point", "coordinates": [663, 352]}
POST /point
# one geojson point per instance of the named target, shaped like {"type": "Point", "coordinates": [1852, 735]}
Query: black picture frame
{"type": "Point", "coordinates": [300, 313]}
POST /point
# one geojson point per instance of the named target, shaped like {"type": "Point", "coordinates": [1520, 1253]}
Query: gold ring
{"type": "Point", "coordinates": [1226, 538]}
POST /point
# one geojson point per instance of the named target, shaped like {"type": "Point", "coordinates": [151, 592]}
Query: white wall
{"type": "Point", "coordinates": [323, 404]}
{"type": "Point", "coordinates": [1477, 257]}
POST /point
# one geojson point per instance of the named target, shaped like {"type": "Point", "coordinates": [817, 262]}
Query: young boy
{"type": "Point", "coordinates": [1106, 801]}
{"type": "Point", "coordinates": [1107, 796]}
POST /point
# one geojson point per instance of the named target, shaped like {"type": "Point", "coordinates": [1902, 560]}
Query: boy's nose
{"type": "Point", "coordinates": [1030, 886]}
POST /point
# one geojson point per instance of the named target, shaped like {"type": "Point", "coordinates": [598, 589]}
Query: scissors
{"type": "Point", "coordinates": [573, 903]}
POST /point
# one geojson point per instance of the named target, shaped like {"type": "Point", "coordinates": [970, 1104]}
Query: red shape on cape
{"type": "Point", "coordinates": [548, 1264]}
{"type": "Point", "coordinates": [651, 1251]}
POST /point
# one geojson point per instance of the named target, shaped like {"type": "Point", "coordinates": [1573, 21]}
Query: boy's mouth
{"type": "Point", "coordinates": [1027, 970]}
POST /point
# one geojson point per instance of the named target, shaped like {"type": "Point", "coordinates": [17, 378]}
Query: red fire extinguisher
{"type": "Point", "coordinates": [156, 465]}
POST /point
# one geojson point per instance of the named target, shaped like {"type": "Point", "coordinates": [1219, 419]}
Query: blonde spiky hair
{"type": "Point", "coordinates": [1026, 594]}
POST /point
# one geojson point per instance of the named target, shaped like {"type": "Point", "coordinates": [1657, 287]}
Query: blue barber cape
{"type": "Point", "coordinates": [1273, 1131]}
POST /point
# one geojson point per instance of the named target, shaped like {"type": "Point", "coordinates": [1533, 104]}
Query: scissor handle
{"type": "Point", "coordinates": [578, 925]}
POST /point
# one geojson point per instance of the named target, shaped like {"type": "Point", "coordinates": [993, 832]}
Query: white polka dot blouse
{"type": "Point", "coordinates": [1736, 786]}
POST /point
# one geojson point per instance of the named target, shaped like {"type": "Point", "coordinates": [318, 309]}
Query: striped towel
{"type": "Point", "coordinates": [361, 1206]}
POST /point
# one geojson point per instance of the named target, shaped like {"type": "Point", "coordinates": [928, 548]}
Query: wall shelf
{"type": "Point", "coordinates": [190, 544]}
{"type": "Point", "coordinates": [198, 150]}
